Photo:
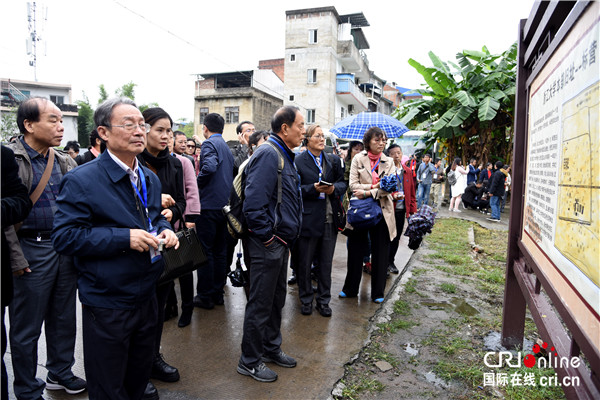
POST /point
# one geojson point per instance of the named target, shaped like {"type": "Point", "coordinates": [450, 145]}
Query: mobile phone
{"type": "Point", "coordinates": [323, 183]}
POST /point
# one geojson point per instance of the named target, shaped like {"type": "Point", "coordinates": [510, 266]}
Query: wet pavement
{"type": "Point", "coordinates": [207, 351]}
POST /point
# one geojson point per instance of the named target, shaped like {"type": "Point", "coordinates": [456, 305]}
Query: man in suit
{"type": "Point", "coordinates": [321, 217]}
{"type": "Point", "coordinates": [214, 183]}
{"type": "Point", "coordinates": [109, 218]}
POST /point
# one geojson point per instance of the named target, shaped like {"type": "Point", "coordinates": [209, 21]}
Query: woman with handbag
{"type": "Point", "coordinates": [366, 171]}
{"type": "Point", "coordinates": [460, 184]}
{"type": "Point", "coordinates": [169, 170]}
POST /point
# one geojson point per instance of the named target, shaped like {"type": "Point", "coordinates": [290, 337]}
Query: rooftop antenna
{"type": "Point", "coordinates": [33, 37]}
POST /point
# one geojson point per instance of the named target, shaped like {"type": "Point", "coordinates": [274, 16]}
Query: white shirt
{"type": "Point", "coordinates": [133, 173]}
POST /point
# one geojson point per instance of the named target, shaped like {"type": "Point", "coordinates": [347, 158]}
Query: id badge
{"type": "Point", "coordinates": [321, 195]}
{"type": "Point", "coordinates": [154, 254]}
{"type": "Point", "coordinates": [423, 175]}
{"type": "Point", "coordinates": [434, 176]}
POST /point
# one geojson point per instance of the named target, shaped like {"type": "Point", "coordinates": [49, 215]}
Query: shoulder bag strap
{"type": "Point", "coordinates": [44, 179]}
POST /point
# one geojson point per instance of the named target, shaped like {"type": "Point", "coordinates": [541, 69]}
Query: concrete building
{"type": "Point", "coordinates": [13, 92]}
{"type": "Point", "coordinates": [326, 69]}
{"type": "Point", "coordinates": [238, 96]}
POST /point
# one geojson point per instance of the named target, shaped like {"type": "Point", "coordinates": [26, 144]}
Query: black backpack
{"type": "Point", "coordinates": [234, 210]}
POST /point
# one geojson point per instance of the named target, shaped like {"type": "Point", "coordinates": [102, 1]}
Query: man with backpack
{"type": "Point", "coordinates": [274, 218]}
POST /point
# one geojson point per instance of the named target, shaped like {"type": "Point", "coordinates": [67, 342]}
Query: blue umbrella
{"type": "Point", "coordinates": [355, 126]}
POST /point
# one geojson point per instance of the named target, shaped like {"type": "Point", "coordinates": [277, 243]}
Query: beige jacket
{"type": "Point", "coordinates": [360, 178]}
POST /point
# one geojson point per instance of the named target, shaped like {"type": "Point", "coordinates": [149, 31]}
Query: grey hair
{"type": "Point", "coordinates": [103, 113]}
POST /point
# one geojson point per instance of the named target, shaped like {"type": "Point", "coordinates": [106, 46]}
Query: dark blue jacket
{"type": "Point", "coordinates": [313, 214]}
{"type": "Point", "coordinates": [216, 173]}
{"type": "Point", "coordinates": [97, 206]}
{"type": "Point", "coordinates": [472, 174]}
{"type": "Point", "coordinates": [260, 193]}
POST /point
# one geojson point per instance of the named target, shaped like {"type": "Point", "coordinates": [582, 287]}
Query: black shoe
{"type": "Point", "coordinates": [72, 385]}
{"type": "Point", "coordinates": [218, 300]}
{"type": "Point", "coordinates": [150, 393]}
{"type": "Point", "coordinates": [163, 371]}
{"type": "Point", "coordinates": [392, 268]}
{"type": "Point", "coordinates": [206, 304]}
{"type": "Point", "coordinates": [292, 280]}
{"type": "Point", "coordinates": [261, 372]}
{"type": "Point", "coordinates": [170, 311]}
{"type": "Point", "coordinates": [324, 310]}
{"type": "Point", "coordinates": [281, 359]}
{"type": "Point", "coordinates": [186, 317]}
{"type": "Point", "coordinates": [306, 309]}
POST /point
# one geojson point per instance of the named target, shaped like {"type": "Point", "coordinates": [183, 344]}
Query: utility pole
{"type": "Point", "coordinates": [33, 37]}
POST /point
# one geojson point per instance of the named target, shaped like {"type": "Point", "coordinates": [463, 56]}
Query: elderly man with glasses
{"type": "Point", "coordinates": [109, 218]}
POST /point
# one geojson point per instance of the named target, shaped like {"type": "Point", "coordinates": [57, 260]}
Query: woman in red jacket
{"type": "Point", "coordinates": [404, 200]}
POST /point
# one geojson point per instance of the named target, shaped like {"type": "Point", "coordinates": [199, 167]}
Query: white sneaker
{"type": "Point", "coordinates": [457, 210]}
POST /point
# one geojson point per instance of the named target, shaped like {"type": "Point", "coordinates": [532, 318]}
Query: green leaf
{"type": "Point", "coordinates": [445, 119]}
{"type": "Point", "coordinates": [488, 108]}
{"type": "Point", "coordinates": [465, 98]}
{"type": "Point", "coordinates": [461, 115]}
{"type": "Point", "coordinates": [439, 64]}
{"type": "Point", "coordinates": [427, 73]}
{"type": "Point", "coordinates": [408, 117]}
{"type": "Point", "coordinates": [498, 94]}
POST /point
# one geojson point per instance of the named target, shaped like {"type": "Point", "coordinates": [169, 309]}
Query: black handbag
{"type": "Point", "coordinates": [364, 213]}
{"type": "Point", "coordinates": [187, 258]}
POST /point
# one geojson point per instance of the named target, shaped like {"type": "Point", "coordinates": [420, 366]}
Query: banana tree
{"type": "Point", "coordinates": [468, 107]}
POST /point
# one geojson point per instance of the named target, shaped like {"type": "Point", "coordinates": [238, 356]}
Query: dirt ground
{"type": "Point", "coordinates": [429, 342]}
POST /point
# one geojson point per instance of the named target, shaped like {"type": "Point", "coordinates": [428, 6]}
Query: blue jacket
{"type": "Point", "coordinates": [472, 174]}
{"type": "Point", "coordinates": [313, 213]}
{"type": "Point", "coordinates": [427, 169]}
{"type": "Point", "coordinates": [262, 215]}
{"type": "Point", "coordinates": [97, 206]}
{"type": "Point", "coordinates": [216, 173]}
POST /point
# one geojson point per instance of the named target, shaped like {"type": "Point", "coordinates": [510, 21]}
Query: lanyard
{"type": "Point", "coordinates": [144, 195]}
{"type": "Point", "coordinates": [283, 151]}
{"type": "Point", "coordinates": [320, 166]}
{"type": "Point", "coordinates": [376, 164]}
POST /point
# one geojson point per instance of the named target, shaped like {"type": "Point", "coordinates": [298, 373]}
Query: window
{"type": "Point", "coordinates": [312, 76]}
{"type": "Point", "coordinates": [203, 113]}
{"type": "Point", "coordinates": [312, 36]}
{"type": "Point", "coordinates": [292, 57]}
{"type": "Point", "coordinates": [343, 113]}
{"type": "Point", "coordinates": [310, 116]}
{"type": "Point", "coordinates": [291, 97]}
{"type": "Point", "coordinates": [232, 115]}
{"type": "Point", "coordinates": [351, 109]}
{"type": "Point", "coordinates": [57, 99]}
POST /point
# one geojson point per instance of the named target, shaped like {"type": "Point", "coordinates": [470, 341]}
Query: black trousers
{"type": "Point", "coordinates": [323, 248]}
{"type": "Point", "coordinates": [380, 253]}
{"type": "Point", "coordinates": [4, 373]}
{"type": "Point", "coordinates": [268, 286]}
{"type": "Point", "coordinates": [400, 216]}
{"type": "Point", "coordinates": [118, 348]}
{"type": "Point", "coordinates": [212, 232]}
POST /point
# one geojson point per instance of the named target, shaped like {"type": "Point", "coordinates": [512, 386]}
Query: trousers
{"type": "Point", "coordinates": [46, 296]}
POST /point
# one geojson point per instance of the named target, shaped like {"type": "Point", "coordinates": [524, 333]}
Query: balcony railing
{"type": "Point", "coordinates": [345, 85]}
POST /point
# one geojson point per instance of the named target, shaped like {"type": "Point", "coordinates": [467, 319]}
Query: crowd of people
{"type": "Point", "coordinates": [93, 223]}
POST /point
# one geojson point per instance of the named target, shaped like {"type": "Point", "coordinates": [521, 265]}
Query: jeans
{"type": "Point", "coordinates": [495, 204]}
{"type": "Point", "coordinates": [423, 194]}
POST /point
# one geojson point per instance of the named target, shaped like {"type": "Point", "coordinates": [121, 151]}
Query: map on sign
{"type": "Point", "coordinates": [578, 225]}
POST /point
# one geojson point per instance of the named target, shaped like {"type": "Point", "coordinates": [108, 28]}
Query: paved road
{"type": "Point", "coordinates": [207, 351]}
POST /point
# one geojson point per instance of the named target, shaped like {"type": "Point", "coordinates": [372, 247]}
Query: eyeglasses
{"type": "Point", "coordinates": [318, 137]}
{"type": "Point", "coordinates": [129, 127]}
{"type": "Point", "coordinates": [191, 146]}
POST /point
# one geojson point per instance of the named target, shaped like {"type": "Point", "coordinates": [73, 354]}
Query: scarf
{"type": "Point", "coordinates": [374, 159]}
{"type": "Point", "coordinates": [158, 162]}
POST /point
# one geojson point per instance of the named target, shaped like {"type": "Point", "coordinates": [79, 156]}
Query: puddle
{"type": "Point", "coordinates": [456, 304]}
{"type": "Point", "coordinates": [411, 349]}
{"type": "Point", "coordinates": [493, 342]}
{"type": "Point", "coordinates": [432, 378]}
{"type": "Point", "coordinates": [462, 307]}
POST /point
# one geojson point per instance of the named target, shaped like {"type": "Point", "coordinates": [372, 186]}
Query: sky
{"type": "Point", "coordinates": [161, 45]}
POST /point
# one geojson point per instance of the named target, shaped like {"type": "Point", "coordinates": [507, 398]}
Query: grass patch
{"type": "Point", "coordinates": [410, 286]}
{"type": "Point", "coordinates": [363, 384]}
{"type": "Point", "coordinates": [491, 276]}
{"type": "Point", "coordinates": [455, 344]}
{"type": "Point", "coordinates": [402, 307]}
{"type": "Point", "coordinates": [396, 325]}
{"type": "Point", "coordinates": [418, 271]}
{"type": "Point", "coordinates": [443, 268]}
{"type": "Point", "coordinates": [448, 287]}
